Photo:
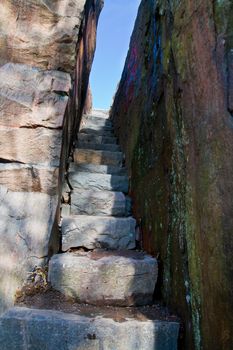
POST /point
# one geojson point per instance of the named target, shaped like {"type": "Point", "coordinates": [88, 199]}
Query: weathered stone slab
{"type": "Point", "coordinates": [95, 168]}
{"type": "Point", "coordinates": [35, 146]}
{"type": "Point", "coordinates": [105, 278]}
{"type": "Point", "coordinates": [98, 232]}
{"type": "Point", "coordinates": [98, 157]}
{"type": "Point", "coordinates": [29, 97]}
{"type": "Point", "coordinates": [33, 31]}
{"type": "Point", "coordinates": [101, 113]}
{"type": "Point", "coordinates": [23, 328]}
{"type": "Point", "coordinates": [101, 131]}
{"type": "Point", "coordinates": [102, 182]}
{"type": "Point", "coordinates": [85, 202]}
{"type": "Point", "coordinates": [97, 120]}
{"type": "Point", "coordinates": [98, 146]}
{"type": "Point", "coordinates": [26, 223]}
{"type": "Point", "coordinates": [89, 124]}
{"type": "Point", "coordinates": [91, 138]}
{"type": "Point", "coordinates": [29, 178]}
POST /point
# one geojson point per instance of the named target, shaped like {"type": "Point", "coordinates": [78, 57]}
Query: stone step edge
{"type": "Point", "coordinates": [81, 332]}
{"type": "Point", "coordinates": [105, 277]}
{"type": "Point", "coordinates": [98, 120]}
{"type": "Point", "coordinates": [99, 131]}
{"type": "Point", "coordinates": [98, 231]}
{"type": "Point", "coordinates": [101, 168]}
{"type": "Point", "coordinates": [93, 136]}
{"type": "Point", "coordinates": [107, 176]}
{"type": "Point", "coordinates": [95, 127]}
{"type": "Point", "coordinates": [94, 146]}
{"type": "Point", "coordinates": [120, 154]}
{"type": "Point", "coordinates": [76, 315]}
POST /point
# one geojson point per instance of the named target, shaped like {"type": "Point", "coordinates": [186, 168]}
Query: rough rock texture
{"type": "Point", "coordinates": [21, 145]}
{"type": "Point", "coordinates": [88, 103]}
{"type": "Point", "coordinates": [99, 182]}
{"type": "Point", "coordinates": [98, 147]}
{"type": "Point", "coordinates": [98, 157]}
{"type": "Point", "coordinates": [32, 31]}
{"type": "Point", "coordinates": [98, 232]}
{"type": "Point", "coordinates": [29, 97]}
{"type": "Point", "coordinates": [114, 278]}
{"type": "Point", "coordinates": [46, 52]}
{"type": "Point", "coordinates": [90, 138]}
{"type": "Point", "coordinates": [22, 328]}
{"type": "Point", "coordinates": [29, 177]}
{"type": "Point", "coordinates": [173, 116]}
{"type": "Point", "coordinates": [84, 202]}
{"type": "Point", "coordinates": [26, 224]}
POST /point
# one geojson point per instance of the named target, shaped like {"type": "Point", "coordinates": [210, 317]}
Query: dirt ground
{"type": "Point", "coordinates": [52, 300]}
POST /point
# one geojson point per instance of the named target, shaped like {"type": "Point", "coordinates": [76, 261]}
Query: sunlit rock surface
{"type": "Point", "coordinates": [32, 31]}
{"type": "Point", "coordinates": [123, 278]}
{"type": "Point", "coordinates": [26, 223]}
{"type": "Point", "coordinates": [46, 52]}
{"type": "Point", "coordinates": [31, 97]}
{"type": "Point", "coordinates": [22, 328]}
{"type": "Point", "coordinates": [173, 116]}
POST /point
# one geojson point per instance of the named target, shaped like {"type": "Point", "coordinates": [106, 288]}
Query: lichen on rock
{"type": "Point", "coordinates": [173, 117]}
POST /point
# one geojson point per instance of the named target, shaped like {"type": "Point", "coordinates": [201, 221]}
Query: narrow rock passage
{"type": "Point", "coordinates": [99, 265]}
{"type": "Point", "coordinates": [110, 272]}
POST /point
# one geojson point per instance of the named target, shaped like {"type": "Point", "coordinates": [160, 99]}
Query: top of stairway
{"type": "Point", "coordinates": [100, 113]}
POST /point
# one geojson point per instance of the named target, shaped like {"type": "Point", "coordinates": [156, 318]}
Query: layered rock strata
{"type": "Point", "coordinates": [46, 51]}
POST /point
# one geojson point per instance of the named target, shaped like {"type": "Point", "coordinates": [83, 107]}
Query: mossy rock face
{"type": "Point", "coordinates": [175, 127]}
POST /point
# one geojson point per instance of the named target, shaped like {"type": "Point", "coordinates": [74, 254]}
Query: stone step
{"type": "Point", "coordinates": [97, 120]}
{"type": "Point", "coordinates": [100, 113]}
{"type": "Point", "coordinates": [89, 124]}
{"type": "Point", "coordinates": [95, 168]}
{"type": "Point", "coordinates": [99, 146]}
{"type": "Point", "coordinates": [98, 232]}
{"type": "Point", "coordinates": [98, 157]}
{"type": "Point", "coordinates": [97, 131]}
{"type": "Point", "coordinates": [84, 202]}
{"type": "Point", "coordinates": [24, 328]}
{"type": "Point", "coordinates": [96, 139]}
{"type": "Point", "coordinates": [123, 278]}
{"type": "Point", "coordinates": [102, 182]}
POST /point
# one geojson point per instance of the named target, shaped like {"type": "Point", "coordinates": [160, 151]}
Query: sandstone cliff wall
{"type": "Point", "coordinates": [46, 52]}
{"type": "Point", "coordinates": [173, 116]}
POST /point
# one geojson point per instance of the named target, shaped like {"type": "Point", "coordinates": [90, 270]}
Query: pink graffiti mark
{"type": "Point", "coordinates": [133, 62]}
{"type": "Point", "coordinates": [131, 77]}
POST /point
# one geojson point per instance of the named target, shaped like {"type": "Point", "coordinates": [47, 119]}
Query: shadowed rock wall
{"type": "Point", "coordinates": [173, 115]}
{"type": "Point", "coordinates": [46, 52]}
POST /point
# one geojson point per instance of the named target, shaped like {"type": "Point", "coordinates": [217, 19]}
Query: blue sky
{"type": "Point", "coordinates": [114, 30]}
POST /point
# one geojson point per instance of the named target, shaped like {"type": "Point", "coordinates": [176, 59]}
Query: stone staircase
{"type": "Point", "coordinates": [99, 264]}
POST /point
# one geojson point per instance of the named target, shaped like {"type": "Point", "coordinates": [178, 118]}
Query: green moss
{"type": "Point", "coordinates": [223, 16]}
{"type": "Point", "coordinates": [180, 54]}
